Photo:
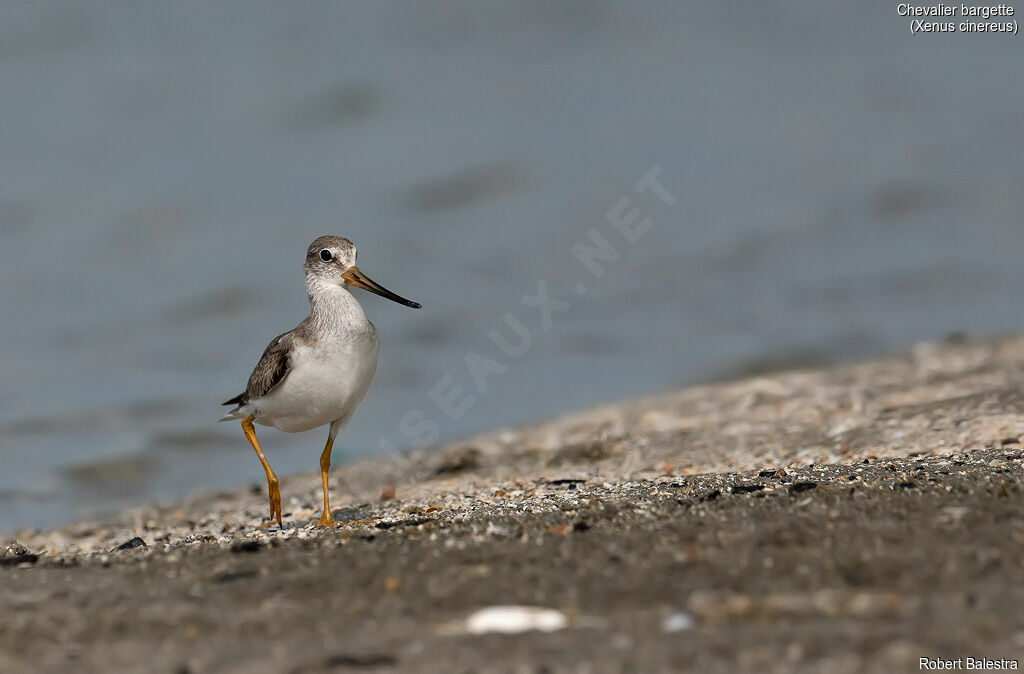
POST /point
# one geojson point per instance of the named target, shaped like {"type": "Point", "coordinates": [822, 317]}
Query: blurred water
{"type": "Point", "coordinates": [842, 187]}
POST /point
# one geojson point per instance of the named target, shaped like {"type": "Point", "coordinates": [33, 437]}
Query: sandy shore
{"type": "Point", "coordinates": [854, 518]}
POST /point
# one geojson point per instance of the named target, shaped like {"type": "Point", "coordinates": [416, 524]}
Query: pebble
{"type": "Point", "coordinates": [17, 554]}
{"type": "Point", "coordinates": [247, 546]}
{"type": "Point", "coordinates": [515, 619]}
{"type": "Point", "coordinates": [131, 544]}
{"type": "Point", "coordinates": [678, 622]}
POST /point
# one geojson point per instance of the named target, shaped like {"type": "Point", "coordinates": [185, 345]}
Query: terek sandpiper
{"type": "Point", "coordinates": [319, 372]}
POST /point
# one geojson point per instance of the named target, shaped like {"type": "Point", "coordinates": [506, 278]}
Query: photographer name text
{"type": "Point", "coordinates": [967, 664]}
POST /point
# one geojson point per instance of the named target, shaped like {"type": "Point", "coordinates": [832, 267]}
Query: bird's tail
{"type": "Point", "coordinates": [240, 412]}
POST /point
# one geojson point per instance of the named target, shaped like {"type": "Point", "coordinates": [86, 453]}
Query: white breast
{"type": "Point", "coordinates": [324, 383]}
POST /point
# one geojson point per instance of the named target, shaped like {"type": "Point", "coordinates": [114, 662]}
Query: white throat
{"type": "Point", "coordinates": [335, 310]}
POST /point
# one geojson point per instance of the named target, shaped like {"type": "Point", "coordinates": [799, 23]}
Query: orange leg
{"type": "Point", "coordinates": [325, 464]}
{"type": "Point", "coordinates": [272, 484]}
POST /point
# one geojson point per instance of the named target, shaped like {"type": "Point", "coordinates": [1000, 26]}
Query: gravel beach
{"type": "Point", "coordinates": [848, 519]}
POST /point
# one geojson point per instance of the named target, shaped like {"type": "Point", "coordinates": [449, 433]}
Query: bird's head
{"type": "Point", "coordinates": [333, 259]}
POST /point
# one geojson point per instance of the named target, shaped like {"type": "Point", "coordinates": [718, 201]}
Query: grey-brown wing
{"type": "Point", "coordinates": [272, 368]}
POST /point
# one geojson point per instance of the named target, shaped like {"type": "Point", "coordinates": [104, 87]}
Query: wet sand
{"type": "Point", "coordinates": [849, 519]}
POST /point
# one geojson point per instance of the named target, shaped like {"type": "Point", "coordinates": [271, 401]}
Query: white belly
{"type": "Point", "coordinates": [322, 386]}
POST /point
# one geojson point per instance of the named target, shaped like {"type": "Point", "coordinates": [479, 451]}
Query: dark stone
{"type": "Point", "coordinates": [906, 484]}
{"type": "Point", "coordinates": [746, 488]}
{"type": "Point", "coordinates": [798, 487]}
{"type": "Point", "coordinates": [131, 544]}
{"type": "Point", "coordinates": [14, 560]}
{"type": "Point", "coordinates": [354, 514]}
{"type": "Point", "coordinates": [571, 482]}
{"type": "Point", "coordinates": [710, 496]}
{"type": "Point", "coordinates": [580, 526]}
{"type": "Point", "coordinates": [247, 546]}
{"type": "Point", "coordinates": [368, 660]}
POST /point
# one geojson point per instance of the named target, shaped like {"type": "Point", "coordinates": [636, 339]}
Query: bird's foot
{"type": "Point", "coordinates": [326, 520]}
{"type": "Point", "coordinates": [275, 502]}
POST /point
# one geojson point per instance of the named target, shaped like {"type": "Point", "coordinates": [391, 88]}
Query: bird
{"type": "Point", "coordinates": [318, 373]}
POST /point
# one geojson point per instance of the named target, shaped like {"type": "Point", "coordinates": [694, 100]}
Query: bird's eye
{"type": "Point", "coordinates": [325, 255]}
